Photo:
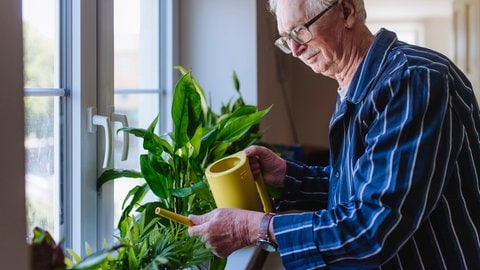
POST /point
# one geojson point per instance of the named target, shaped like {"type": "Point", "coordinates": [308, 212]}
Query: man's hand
{"type": "Point", "coordinates": [271, 166]}
{"type": "Point", "coordinates": [226, 229]}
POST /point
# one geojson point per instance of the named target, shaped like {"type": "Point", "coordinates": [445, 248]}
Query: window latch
{"type": "Point", "coordinates": [106, 122]}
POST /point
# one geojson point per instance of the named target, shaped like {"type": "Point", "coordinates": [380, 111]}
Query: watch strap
{"type": "Point", "coordinates": [262, 239]}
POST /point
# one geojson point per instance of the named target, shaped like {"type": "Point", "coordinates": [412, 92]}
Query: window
{"type": "Point", "coordinates": [68, 70]}
{"type": "Point", "coordinates": [138, 93]}
{"type": "Point", "coordinates": [43, 99]}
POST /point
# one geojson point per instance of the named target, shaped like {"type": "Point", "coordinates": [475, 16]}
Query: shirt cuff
{"type": "Point", "coordinates": [296, 244]}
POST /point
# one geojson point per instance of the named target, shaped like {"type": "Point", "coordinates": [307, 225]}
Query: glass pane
{"type": "Point", "coordinates": [41, 146]}
{"type": "Point", "coordinates": [136, 35]}
{"type": "Point", "coordinates": [136, 44]}
{"type": "Point", "coordinates": [39, 30]}
{"type": "Point", "coordinates": [41, 115]}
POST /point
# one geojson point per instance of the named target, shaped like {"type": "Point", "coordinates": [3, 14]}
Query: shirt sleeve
{"type": "Point", "coordinates": [305, 188]}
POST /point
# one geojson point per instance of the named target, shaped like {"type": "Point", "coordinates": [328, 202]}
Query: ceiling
{"type": "Point", "coordinates": [407, 9]}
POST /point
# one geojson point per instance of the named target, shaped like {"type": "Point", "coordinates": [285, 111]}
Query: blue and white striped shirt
{"type": "Point", "coordinates": [402, 187]}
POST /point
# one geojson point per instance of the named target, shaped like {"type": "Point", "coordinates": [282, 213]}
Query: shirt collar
{"type": "Point", "coordinates": [368, 70]}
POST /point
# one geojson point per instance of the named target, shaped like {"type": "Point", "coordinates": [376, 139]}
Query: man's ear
{"type": "Point", "coordinates": [349, 13]}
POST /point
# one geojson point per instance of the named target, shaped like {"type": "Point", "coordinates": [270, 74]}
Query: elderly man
{"type": "Point", "coordinates": [402, 188]}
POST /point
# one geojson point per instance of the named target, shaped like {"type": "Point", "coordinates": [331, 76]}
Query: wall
{"type": "Point", "coordinates": [217, 37]}
{"type": "Point", "coordinates": [13, 248]}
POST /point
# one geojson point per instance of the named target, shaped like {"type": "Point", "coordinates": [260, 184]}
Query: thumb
{"type": "Point", "coordinates": [198, 219]}
{"type": "Point", "coordinates": [198, 222]}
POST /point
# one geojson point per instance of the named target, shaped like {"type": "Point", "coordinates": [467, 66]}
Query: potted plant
{"type": "Point", "coordinates": [173, 169]}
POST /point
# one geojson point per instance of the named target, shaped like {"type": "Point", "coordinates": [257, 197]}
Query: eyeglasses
{"type": "Point", "coordinates": [300, 34]}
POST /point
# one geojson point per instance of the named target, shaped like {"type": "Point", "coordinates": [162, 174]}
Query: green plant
{"type": "Point", "coordinates": [174, 165]}
{"type": "Point", "coordinates": [146, 246]}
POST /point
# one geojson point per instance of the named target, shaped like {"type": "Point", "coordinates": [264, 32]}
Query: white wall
{"type": "Point", "coordinates": [13, 248]}
{"type": "Point", "coordinates": [431, 18]}
{"type": "Point", "coordinates": [216, 38]}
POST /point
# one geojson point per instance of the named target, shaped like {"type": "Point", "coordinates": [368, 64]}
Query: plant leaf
{"type": "Point", "coordinates": [95, 260]}
{"type": "Point", "coordinates": [236, 82]}
{"type": "Point", "coordinates": [137, 132]}
{"type": "Point", "coordinates": [187, 191]}
{"type": "Point", "coordinates": [137, 194]}
{"type": "Point", "coordinates": [237, 127]}
{"type": "Point", "coordinates": [112, 174]}
{"type": "Point", "coordinates": [201, 93]}
{"type": "Point", "coordinates": [155, 181]}
{"type": "Point", "coordinates": [186, 110]}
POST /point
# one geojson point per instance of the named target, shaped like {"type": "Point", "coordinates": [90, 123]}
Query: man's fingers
{"type": "Point", "coordinates": [198, 219]}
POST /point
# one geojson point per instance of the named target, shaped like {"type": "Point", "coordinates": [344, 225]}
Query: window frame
{"type": "Point", "coordinates": [88, 215]}
{"type": "Point", "coordinates": [85, 56]}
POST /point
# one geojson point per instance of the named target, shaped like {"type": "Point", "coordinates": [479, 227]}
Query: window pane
{"type": "Point", "coordinates": [41, 115]}
{"type": "Point", "coordinates": [39, 28]}
{"type": "Point", "coordinates": [136, 44]}
{"type": "Point", "coordinates": [137, 94]}
{"type": "Point", "coordinates": [41, 145]}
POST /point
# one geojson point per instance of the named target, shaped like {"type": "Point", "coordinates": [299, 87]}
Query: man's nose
{"type": "Point", "coordinates": [297, 48]}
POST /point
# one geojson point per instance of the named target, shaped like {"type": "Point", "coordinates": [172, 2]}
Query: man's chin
{"type": "Point", "coordinates": [315, 67]}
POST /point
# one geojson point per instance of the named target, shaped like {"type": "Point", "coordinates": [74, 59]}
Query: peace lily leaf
{"type": "Point", "coordinates": [199, 89]}
{"type": "Point", "coordinates": [242, 111]}
{"type": "Point", "coordinates": [150, 140]}
{"type": "Point", "coordinates": [237, 127]}
{"type": "Point", "coordinates": [187, 191]}
{"type": "Point", "coordinates": [196, 141]}
{"type": "Point", "coordinates": [138, 132]}
{"type": "Point", "coordinates": [112, 174]}
{"type": "Point", "coordinates": [136, 194]}
{"type": "Point", "coordinates": [186, 110]}
{"type": "Point", "coordinates": [239, 103]}
{"type": "Point", "coordinates": [154, 180]}
{"type": "Point", "coordinates": [149, 212]}
{"type": "Point", "coordinates": [164, 169]}
{"type": "Point", "coordinates": [218, 151]}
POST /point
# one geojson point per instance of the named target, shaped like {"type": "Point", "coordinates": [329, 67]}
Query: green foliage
{"type": "Point", "coordinates": [101, 260]}
{"type": "Point", "coordinates": [158, 246]}
{"type": "Point", "coordinates": [38, 60]}
{"type": "Point", "coordinates": [146, 246]}
{"type": "Point", "coordinates": [173, 169]}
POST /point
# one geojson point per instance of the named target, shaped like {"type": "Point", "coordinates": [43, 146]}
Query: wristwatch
{"type": "Point", "coordinates": [263, 240]}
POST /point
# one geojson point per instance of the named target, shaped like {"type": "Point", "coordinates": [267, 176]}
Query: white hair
{"type": "Point", "coordinates": [313, 7]}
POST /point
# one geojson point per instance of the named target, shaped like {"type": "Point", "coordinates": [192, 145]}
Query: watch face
{"type": "Point", "coordinates": [267, 246]}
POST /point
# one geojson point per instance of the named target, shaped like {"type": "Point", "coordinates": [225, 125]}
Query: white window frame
{"type": "Point", "coordinates": [88, 213]}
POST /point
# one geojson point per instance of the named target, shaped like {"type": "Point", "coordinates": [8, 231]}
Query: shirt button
{"type": "Point", "coordinates": [337, 174]}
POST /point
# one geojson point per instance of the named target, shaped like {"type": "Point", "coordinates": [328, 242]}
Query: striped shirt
{"type": "Point", "coordinates": [402, 187]}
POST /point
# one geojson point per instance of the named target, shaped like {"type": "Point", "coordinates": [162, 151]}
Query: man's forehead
{"type": "Point", "coordinates": [290, 13]}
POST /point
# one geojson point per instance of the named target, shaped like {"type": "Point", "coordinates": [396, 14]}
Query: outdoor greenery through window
{"type": "Point", "coordinates": [41, 114]}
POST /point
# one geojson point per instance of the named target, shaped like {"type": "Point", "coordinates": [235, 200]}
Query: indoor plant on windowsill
{"type": "Point", "coordinates": [173, 170]}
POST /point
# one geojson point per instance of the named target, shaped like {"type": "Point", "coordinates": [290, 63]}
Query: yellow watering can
{"type": "Point", "coordinates": [233, 186]}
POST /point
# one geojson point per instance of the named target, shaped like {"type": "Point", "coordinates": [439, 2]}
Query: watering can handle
{"type": "Point", "coordinates": [264, 197]}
